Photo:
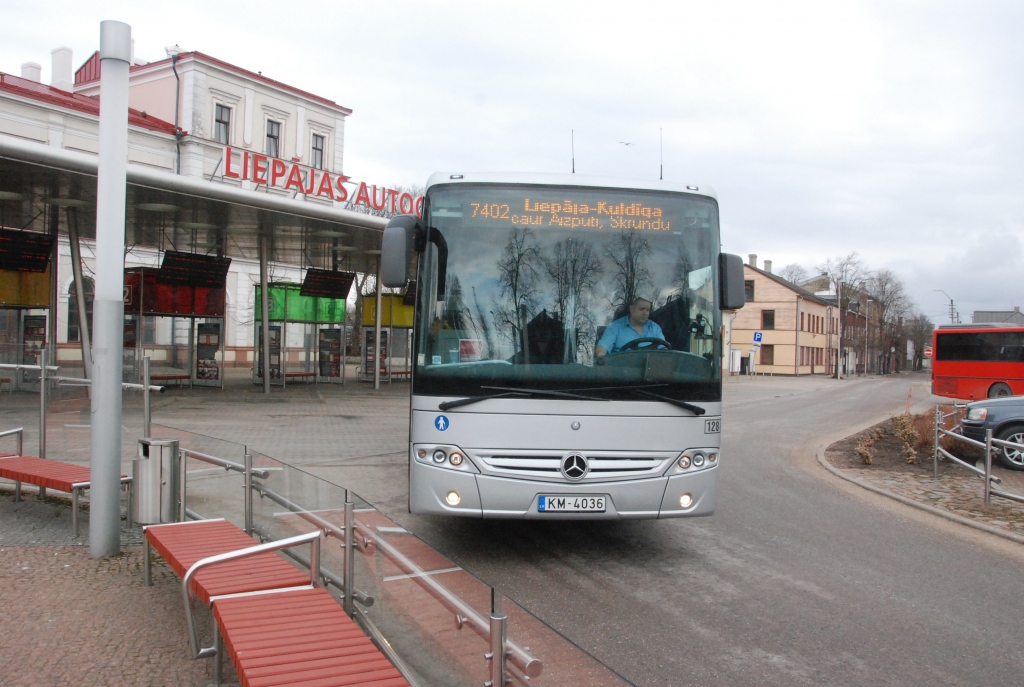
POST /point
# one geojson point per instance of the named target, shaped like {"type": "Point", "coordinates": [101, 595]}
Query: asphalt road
{"type": "Point", "coordinates": [797, 579]}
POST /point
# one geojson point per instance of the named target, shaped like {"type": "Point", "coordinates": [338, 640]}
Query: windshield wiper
{"type": "Point", "coordinates": [506, 391]}
{"type": "Point", "coordinates": [696, 410]}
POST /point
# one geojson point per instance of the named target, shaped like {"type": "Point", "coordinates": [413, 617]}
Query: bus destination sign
{"type": "Point", "coordinates": [569, 214]}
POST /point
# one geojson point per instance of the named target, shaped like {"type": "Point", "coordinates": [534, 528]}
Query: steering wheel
{"type": "Point", "coordinates": [654, 342]}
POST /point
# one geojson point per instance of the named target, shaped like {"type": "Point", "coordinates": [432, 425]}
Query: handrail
{"type": "Point", "coordinates": [312, 538]}
{"type": "Point", "coordinates": [329, 528]}
{"type": "Point", "coordinates": [20, 432]}
{"type": "Point", "coordinates": [223, 462]}
{"type": "Point", "coordinates": [10, 366]}
{"type": "Point", "coordinates": [77, 381]}
{"type": "Point", "coordinates": [987, 446]}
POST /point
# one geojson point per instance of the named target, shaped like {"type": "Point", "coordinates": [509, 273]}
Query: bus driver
{"type": "Point", "coordinates": [636, 325]}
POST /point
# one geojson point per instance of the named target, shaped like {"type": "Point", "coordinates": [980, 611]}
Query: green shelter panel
{"type": "Point", "coordinates": [288, 305]}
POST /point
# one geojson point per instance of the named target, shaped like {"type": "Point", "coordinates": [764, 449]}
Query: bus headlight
{"type": "Point", "coordinates": [685, 501]}
{"type": "Point", "coordinates": [684, 462]}
{"type": "Point", "coordinates": [698, 460]}
{"type": "Point", "coordinates": [439, 456]}
{"type": "Point", "coordinates": [445, 456]}
{"type": "Point", "coordinates": [452, 498]}
{"type": "Point", "coordinates": [455, 458]}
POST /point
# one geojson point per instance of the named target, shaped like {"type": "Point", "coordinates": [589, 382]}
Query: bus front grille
{"type": "Point", "coordinates": [546, 465]}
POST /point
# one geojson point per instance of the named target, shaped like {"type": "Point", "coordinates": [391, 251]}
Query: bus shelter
{"type": "Point", "coordinates": [320, 325]}
{"type": "Point", "coordinates": [26, 298]}
{"type": "Point", "coordinates": [397, 313]}
{"type": "Point", "coordinates": [188, 294]}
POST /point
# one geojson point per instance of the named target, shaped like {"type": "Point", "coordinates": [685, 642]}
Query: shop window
{"type": "Point", "coordinates": [748, 290]}
{"type": "Point", "coordinates": [149, 330]}
{"type": "Point", "coordinates": [222, 124]}
{"type": "Point", "coordinates": [74, 326]}
{"type": "Point", "coordinates": [317, 156]}
{"type": "Point", "coordinates": [767, 319]}
{"type": "Point", "coordinates": [273, 138]}
{"type": "Point", "coordinates": [767, 354]}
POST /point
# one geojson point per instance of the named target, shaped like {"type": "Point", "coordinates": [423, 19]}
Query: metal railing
{"type": "Point", "coordinates": [988, 446]}
{"type": "Point", "coordinates": [18, 432]}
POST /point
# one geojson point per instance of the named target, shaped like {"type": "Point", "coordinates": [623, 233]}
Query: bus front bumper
{"type": "Point", "coordinates": [484, 496]}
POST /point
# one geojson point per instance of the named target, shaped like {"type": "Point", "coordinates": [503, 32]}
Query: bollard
{"type": "Point", "coordinates": [935, 447]}
{"type": "Point", "coordinates": [350, 563]}
{"type": "Point", "coordinates": [499, 634]}
{"type": "Point", "coordinates": [182, 483]}
{"type": "Point", "coordinates": [248, 492]}
{"type": "Point", "coordinates": [988, 467]}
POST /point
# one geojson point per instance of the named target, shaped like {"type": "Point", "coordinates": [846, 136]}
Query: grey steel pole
{"type": "Point", "coordinates": [42, 411]}
{"type": "Point", "coordinates": [265, 312]}
{"type": "Point", "coordinates": [376, 333]}
{"type": "Point", "coordinates": [108, 310]}
{"type": "Point", "coordinates": [988, 467]}
{"type": "Point", "coordinates": [499, 633]}
{"type": "Point", "coordinates": [935, 446]}
{"type": "Point", "coordinates": [248, 492]}
{"type": "Point", "coordinates": [182, 485]}
{"type": "Point", "coordinates": [350, 548]}
{"type": "Point", "coordinates": [146, 411]}
{"type": "Point", "coordinates": [76, 271]}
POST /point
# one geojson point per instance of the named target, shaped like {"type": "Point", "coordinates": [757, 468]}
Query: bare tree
{"type": "Point", "coordinates": [629, 253]}
{"type": "Point", "coordinates": [794, 273]}
{"type": "Point", "coordinates": [893, 306]}
{"type": "Point", "coordinates": [574, 267]}
{"type": "Point", "coordinates": [843, 274]}
{"type": "Point", "coordinates": [485, 328]}
{"type": "Point", "coordinates": [919, 330]}
{"type": "Point", "coordinates": [517, 277]}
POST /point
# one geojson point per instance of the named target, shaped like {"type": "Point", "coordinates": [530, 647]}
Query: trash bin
{"type": "Point", "coordinates": [155, 482]}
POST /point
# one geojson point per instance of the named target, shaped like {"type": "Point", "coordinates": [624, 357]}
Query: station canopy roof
{"type": "Point", "coordinates": [39, 184]}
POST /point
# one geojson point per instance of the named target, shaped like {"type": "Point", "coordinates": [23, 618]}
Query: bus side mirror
{"type": "Point", "coordinates": [730, 282]}
{"type": "Point", "coordinates": [396, 249]}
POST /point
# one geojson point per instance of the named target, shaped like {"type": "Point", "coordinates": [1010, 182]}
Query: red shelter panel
{"type": "Point", "coordinates": [170, 299]}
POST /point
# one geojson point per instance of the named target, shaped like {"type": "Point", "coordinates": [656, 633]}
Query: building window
{"type": "Point", "coordinates": [802, 322]}
{"type": "Point", "coordinates": [317, 156]}
{"type": "Point", "coordinates": [748, 290]}
{"type": "Point", "coordinates": [273, 138]}
{"type": "Point", "coordinates": [74, 330]}
{"type": "Point", "coordinates": [767, 319]}
{"type": "Point", "coordinates": [767, 354]}
{"type": "Point", "coordinates": [222, 124]}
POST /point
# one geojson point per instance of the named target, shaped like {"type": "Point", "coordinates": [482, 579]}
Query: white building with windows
{"type": "Point", "coordinates": [184, 111]}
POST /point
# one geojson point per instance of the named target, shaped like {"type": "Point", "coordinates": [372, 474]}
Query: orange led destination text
{"type": "Point", "coordinates": [572, 215]}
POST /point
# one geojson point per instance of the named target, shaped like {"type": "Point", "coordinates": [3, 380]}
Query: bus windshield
{"type": "Point", "coordinates": [607, 293]}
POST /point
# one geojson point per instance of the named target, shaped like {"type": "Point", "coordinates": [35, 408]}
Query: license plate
{"type": "Point", "coordinates": [571, 504]}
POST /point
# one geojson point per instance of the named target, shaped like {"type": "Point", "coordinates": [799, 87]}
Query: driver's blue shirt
{"type": "Point", "coordinates": [621, 332]}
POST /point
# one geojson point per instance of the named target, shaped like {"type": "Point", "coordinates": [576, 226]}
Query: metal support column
{"type": "Point", "coordinates": [108, 312]}
{"type": "Point", "coordinates": [988, 467]}
{"type": "Point", "coordinates": [499, 638]}
{"type": "Point", "coordinates": [42, 412]}
{"type": "Point", "coordinates": [76, 271]}
{"type": "Point", "coordinates": [248, 492]}
{"type": "Point", "coordinates": [265, 312]}
{"type": "Point", "coordinates": [146, 410]}
{"type": "Point", "coordinates": [935, 446]}
{"type": "Point", "coordinates": [376, 333]}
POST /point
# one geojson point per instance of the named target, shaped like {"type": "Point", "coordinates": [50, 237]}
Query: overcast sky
{"type": "Point", "coordinates": [889, 129]}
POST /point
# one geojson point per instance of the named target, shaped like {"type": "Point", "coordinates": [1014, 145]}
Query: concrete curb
{"type": "Point", "coordinates": [914, 504]}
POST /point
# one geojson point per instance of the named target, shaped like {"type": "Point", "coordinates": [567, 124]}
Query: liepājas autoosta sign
{"type": "Point", "coordinates": [291, 176]}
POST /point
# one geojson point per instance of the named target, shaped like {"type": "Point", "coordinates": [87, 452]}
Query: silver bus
{"type": "Point", "coordinates": [568, 346]}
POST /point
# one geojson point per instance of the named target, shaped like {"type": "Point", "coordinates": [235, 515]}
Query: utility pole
{"type": "Point", "coordinates": [954, 316]}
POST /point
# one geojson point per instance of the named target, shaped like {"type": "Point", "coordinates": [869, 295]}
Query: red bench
{"type": "Point", "coordinates": [51, 474]}
{"type": "Point", "coordinates": [278, 625]}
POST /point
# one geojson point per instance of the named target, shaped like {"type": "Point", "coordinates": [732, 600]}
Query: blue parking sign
{"type": "Point", "coordinates": [757, 337]}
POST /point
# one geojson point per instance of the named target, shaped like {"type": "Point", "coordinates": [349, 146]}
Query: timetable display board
{"type": "Point", "coordinates": [330, 352]}
{"type": "Point", "coordinates": [275, 351]}
{"type": "Point", "coordinates": [287, 304]}
{"type": "Point", "coordinates": [170, 299]}
{"type": "Point", "coordinates": [207, 348]}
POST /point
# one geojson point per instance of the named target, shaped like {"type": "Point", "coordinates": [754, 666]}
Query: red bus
{"type": "Point", "coordinates": [978, 361]}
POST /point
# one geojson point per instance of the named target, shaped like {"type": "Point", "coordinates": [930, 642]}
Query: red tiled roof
{"type": "Point", "coordinates": [72, 101]}
{"type": "Point", "coordinates": [90, 71]}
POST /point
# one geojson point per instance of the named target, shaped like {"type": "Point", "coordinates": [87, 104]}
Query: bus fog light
{"type": "Point", "coordinates": [698, 460]}
{"type": "Point", "coordinates": [685, 500]}
{"type": "Point", "coordinates": [684, 462]}
{"type": "Point", "coordinates": [453, 498]}
{"type": "Point", "coordinates": [439, 456]}
{"type": "Point", "coordinates": [455, 458]}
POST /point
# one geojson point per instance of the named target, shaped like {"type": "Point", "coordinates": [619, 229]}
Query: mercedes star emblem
{"type": "Point", "coordinates": [575, 467]}
{"type": "Point", "coordinates": [575, 424]}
